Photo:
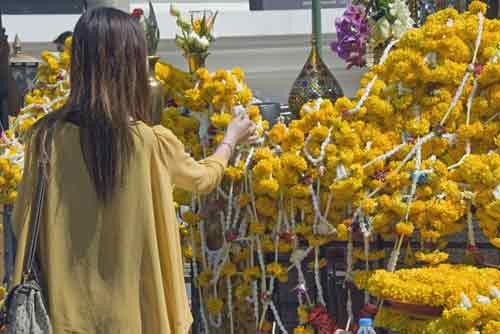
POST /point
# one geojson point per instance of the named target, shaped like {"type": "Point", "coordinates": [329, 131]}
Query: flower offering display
{"type": "Point", "coordinates": [413, 157]}
{"type": "Point", "coordinates": [468, 297]}
{"type": "Point", "coordinates": [51, 92]}
{"type": "Point", "coordinates": [369, 25]}
{"type": "Point", "coordinates": [196, 35]}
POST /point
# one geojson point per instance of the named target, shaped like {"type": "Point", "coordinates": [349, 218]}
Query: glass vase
{"type": "Point", "coordinates": [314, 81]}
{"type": "Point", "coordinates": [195, 61]}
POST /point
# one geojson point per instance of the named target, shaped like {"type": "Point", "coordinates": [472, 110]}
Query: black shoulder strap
{"type": "Point", "coordinates": [37, 205]}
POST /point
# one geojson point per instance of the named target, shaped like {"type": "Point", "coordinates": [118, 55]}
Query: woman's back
{"type": "Point", "coordinates": [108, 268]}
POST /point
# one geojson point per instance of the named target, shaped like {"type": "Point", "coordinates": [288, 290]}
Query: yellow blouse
{"type": "Point", "coordinates": [115, 269]}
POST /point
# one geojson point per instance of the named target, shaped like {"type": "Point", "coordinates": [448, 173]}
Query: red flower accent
{"type": "Point", "coordinates": [265, 296]}
{"type": "Point", "coordinates": [380, 175]}
{"type": "Point", "coordinates": [231, 236]}
{"type": "Point", "coordinates": [478, 69]}
{"type": "Point", "coordinates": [439, 130]}
{"type": "Point", "coordinates": [307, 179]}
{"type": "Point", "coordinates": [137, 12]}
{"type": "Point", "coordinates": [319, 318]}
{"type": "Point", "coordinates": [287, 236]}
{"type": "Point", "coordinates": [370, 309]}
{"type": "Point", "coordinates": [345, 113]}
{"type": "Point", "coordinates": [472, 248]}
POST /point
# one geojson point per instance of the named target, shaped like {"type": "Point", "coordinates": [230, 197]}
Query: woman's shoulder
{"type": "Point", "coordinates": [153, 132]}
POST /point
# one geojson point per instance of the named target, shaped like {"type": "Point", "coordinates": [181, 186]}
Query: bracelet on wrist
{"type": "Point", "coordinates": [229, 144]}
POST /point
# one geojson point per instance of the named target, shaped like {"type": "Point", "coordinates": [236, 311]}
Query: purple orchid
{"type": "Point", "coordinates": [353, 32]}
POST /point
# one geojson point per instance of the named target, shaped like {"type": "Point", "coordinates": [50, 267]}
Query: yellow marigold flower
{"type": "Point", "coordinates": [266, 207]}
{"type": "Point", "coordinates": [235, 173]}
{"type": "Point", "coordinates": [187, 252]}
{"type": "Point", "coordinates": [294, 162]}
{"type": "Point", "coordinates": [244, 200]}
{"type": "Point", "coordinates": [253, 112]}
{"type": "Point", "coordinates": [478, 6]}
{"type": "Point", "coordinates": [319, 133]}
{"type": "Point", "coordinates": [284, 247]}
{"type": "Point", "coordinates": [191, 218]}
{"type": "Point", "coordinates": [267, 244]}
{"type": "Point", "coordinates": [251, 273]}
{"type": "Point", "coordinates": [432, 258]}
{"type": "Point", "coordinates": [238, 73]}
{"type": "Point", "coordinates": [263, 153]}
{"type": "Point", "coordinates": [204, 278]}
{"type": "Point", "coordinates": [303, 314]}
{"type": "Point", "coordinates": [229, 269]}
{"type": "Point", "coordinates": [245, 96]}
{"type": "Point", "coordinates": [430, 235]}
{"type": "Point", "coordinates": [342, 232]}
{"type": "Point", "coordinates": [316, 241]}
{"type": "Point", "coordinates": [495, 242]}
{"type": "Point", "coordinates": [242, 291]}
{"type": "Point", "coordinates": [299, 191]}
{"type": "Point", "coordinates": [303, 229]}
{"type": "Point", "coordinates": [266, 327]}
{"type": "Point", "coordinates": [215, 305]}
{"type": "Point", "coordinates": [275, 269]}
{"type": "Point", "coordinates": [278, 133]}
{"type": "Point", "coordinates": [257, 228]}
{"type": "Point", "coordinates": [321, 264]}
{"type": "Point", "coordinates": [202, 73]}
{"type": "Point", "coordinates": [220, 120]}
{"type": "Point", "coordinates": [268, 187]}
{"type": "Point", "coordinates": [263, 169]}
{"type": "Point", "coordinates": [404, 229]}
{"type": "Point", "coordinates": [303, 330]}
{"type": "Point", "coordinates": [492, 327]}
{"type": "Point", "coordinates": [294, 140]}
{"type": "Point", "coordinates": [12, 196]}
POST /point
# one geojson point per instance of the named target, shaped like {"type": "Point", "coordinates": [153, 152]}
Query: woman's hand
{"type": "Point", "coordinates": [240, 130]}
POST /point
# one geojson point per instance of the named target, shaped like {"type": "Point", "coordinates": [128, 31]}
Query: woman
{"type": "Point", "coordinates": [109, 250]}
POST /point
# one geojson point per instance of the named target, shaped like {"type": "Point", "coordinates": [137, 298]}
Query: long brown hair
{"type": "Point", "coordinates": [109, 91]}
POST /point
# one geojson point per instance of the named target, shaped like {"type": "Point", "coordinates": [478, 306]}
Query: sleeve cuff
{"type": "Point", "coordinates": [217, 159]}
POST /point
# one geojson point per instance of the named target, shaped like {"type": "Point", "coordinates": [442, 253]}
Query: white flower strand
{"type": "Point", "coordinates": [386, 155]}
{"type": "Point", "coordinates": [254, 286]}
{"type": "Point", "coordinates": [317, 210]}
{"type": "Point", "coordinates": [321, 157]}
{"type": "Point", "coordinates": [366, 246]}
{"type": "Point", "coordinates": [368, 87]}
{"type": "Point", "coordinates": [420, 142]}
{"type": "Point", "coordinates": [469, 71]}
{"type": "Point", "coordinates": [469, 109]}
{"type": "Point", "coordinates": [230, 304]}
{"type": "Point", "coordinates": [277, 318]}
{"type": "Point", "coordinates": [229, 206]}
{"type": "Point", "coordinates": [350, 315]}
{"type": "Point", "coordinates": [200, 292]}
{"type": "Point", "coordinates": [317, 280]}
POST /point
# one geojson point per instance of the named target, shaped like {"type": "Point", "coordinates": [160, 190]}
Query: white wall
{"type": "Point", "coordinates": [235, 19]}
